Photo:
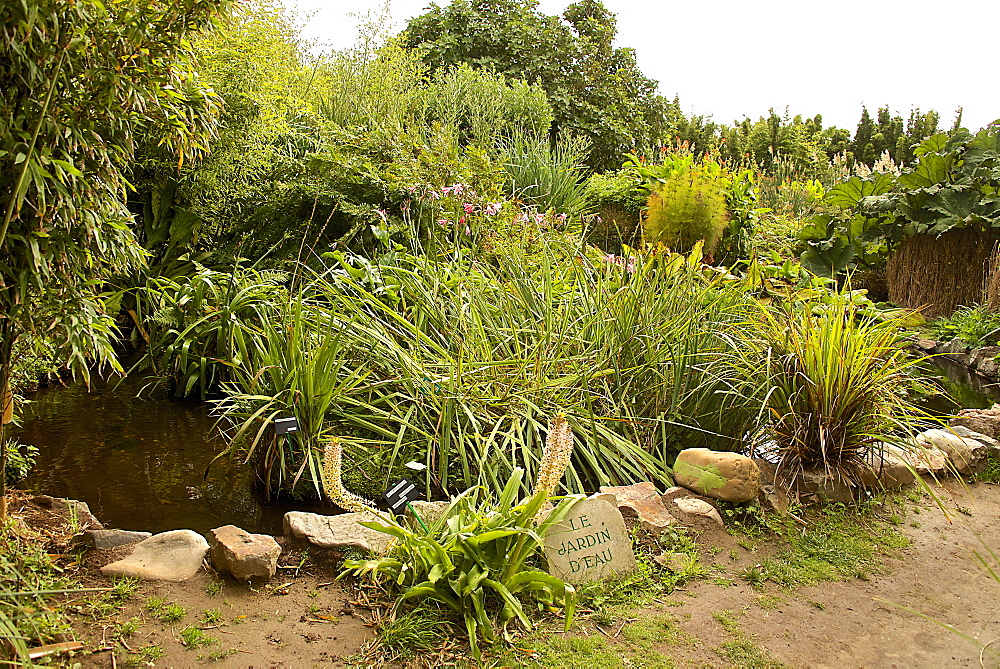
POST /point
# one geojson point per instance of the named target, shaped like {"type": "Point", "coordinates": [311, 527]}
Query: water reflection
{"type": "Point", "coordinates": [139, 462]}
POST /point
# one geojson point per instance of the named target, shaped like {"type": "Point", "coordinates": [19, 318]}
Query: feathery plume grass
{"type": "Point", "coordinates": [333, 484]}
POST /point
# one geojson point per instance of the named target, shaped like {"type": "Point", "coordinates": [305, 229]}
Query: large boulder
{"type": "Point", "coordinates": [170, 556]}
{"type": "Point", "coordinates": [640, 500]}
{"type": "Point", "coordinates": [341, 531]}
{"type": "Point", "coordinates": [885, 469]}
{"type": "Point", "coordinates": [984, 421]}
{"type": "Point", "coordinates": [967, 456]}
{"type": "Point", "coordinates": [927, 459]}
{"type": "Point", "coordinates": [242, 555]}
{"type": "Point", "coordinates": [730, 477]}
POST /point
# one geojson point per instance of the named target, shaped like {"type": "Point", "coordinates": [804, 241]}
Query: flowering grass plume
{"type": "Point", "coordinates": [333, 484]}
{"type": "Point", "coordinates": [555, 455]}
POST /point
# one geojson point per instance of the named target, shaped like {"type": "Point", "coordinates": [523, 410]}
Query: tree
{"type": "Point", "coordinates": [83, 82]}
{"type": "Point", "coordinates": [596, 89]}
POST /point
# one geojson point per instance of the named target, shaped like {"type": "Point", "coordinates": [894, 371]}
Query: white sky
{"type": "Point", "coordinates": [735, 58]}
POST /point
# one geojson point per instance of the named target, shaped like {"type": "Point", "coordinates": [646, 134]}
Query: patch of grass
{"type": "Point", "coordinates": [837, 543]}
{"type": "Point", "coordinates": [746, 654]}
{"type": "Point", "coordinates": [991, 472]}
{"type": "Point", "coordinates": [769, 602]}
{"type": "Point", "coordinates": [727, 619]}
{"type": "Point", "coordinates": [419, 631]}
{"type": "Point", "coordinates": [155, 605]}
{"type": "Point", "coordinates": [125, 629]}
{"type": "Point", "coordinates": [221, 654]}
{"type": "Point", "coordinates": [588, 652]}
{"type": "Point", "coordinates": [147, 655]}
{"type": "Point", "coordinates": [214, 588]}
{"type": "Point", "coordinates": [654, 629]}
{"type": "Point", "coordinates": [122, 589]}
{"type": "Point", "coordinates": [168, 613]}
{"type": "Point", "coordinates": [211, 616]}
{"type": "Point", "coordinates": [194, 637]}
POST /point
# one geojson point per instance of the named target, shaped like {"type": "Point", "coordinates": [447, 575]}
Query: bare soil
{"type": "Point", "coordinates": [899, 618]}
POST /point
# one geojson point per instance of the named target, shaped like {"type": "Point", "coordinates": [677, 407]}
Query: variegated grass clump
{"type": "Point", "coordinates": [333, 484]}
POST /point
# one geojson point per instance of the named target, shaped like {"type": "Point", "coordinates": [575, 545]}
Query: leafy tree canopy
{"type": "Point", "coordinates": [596, 89]}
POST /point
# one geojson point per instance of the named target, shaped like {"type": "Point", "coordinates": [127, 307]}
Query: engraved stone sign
{"type": "Point", "coordinates": [591, 543]}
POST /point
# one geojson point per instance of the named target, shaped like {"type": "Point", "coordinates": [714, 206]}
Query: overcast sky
{"type": "Point", "coordinates": [736, 58]}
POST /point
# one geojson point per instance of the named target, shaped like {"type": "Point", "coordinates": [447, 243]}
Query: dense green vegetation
{"type": "Point", "coordinates": [391, 242]}
{"type": "Point", "coordinates": [426, 246]}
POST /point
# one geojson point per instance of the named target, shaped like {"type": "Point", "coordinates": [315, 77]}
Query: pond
{"type": "Point", "coordinates": [140, 461]}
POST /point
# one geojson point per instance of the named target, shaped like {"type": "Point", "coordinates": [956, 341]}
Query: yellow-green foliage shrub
{"type": "Point", "coordinates": [687, 207]}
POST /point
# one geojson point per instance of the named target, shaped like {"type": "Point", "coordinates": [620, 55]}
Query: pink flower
{"type": "Point", "coordinates": [493, 208]}
{"type": "Point", "coordinates": [562, 217]}
{"type": "Point", "coordinates": [458, 189]}
{"type": "Point", "coordinates": [434, 195]}
{"type": "Point", "coordinates": [469, 208]}
{"type": "Point", "coordinates": [539, 218]}
{"type": "Point", "coordinates": [447, 190]}
{"type": "Point", "coordinates": [468, 232]}
{"type": "Point", "coordinates": [443, 222]}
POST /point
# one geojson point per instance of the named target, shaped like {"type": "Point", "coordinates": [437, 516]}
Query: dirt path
{"type": "Point", "coordinates": [860, 623]}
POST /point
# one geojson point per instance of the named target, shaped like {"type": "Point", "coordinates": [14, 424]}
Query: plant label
{"type": "Point", "coordinates": [401, 494]}
{"type": "Point", "coordinates": [285, 426]}
{"type": "Point", "coordinates": [591, 543]}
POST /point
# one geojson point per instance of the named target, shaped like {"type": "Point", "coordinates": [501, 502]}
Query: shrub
{"type": "Point", "coordinates": [686, 208]}
{"type": "Point", "coordinates": [976, 326]}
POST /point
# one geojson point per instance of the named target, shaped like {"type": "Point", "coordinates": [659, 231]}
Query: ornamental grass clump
{"type": "Point", "coordinates": [835, 385]}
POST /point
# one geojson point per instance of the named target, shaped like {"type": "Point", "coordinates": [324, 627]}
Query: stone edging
{"type": "Point", "coordinates": [982, 360]}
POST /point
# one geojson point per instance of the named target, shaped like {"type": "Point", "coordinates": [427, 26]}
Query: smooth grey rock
{"type": "Point", "coordinates": [926, 345]}
{"type": "Point", "coordinates": [641, 501]}
{"type": "Point", "coordinates": [591, 543]}
{"type": "Point", "coordinates": [954, 347]}
{"type": "Point", "coordinates": [699, 507]}
{"type": "Point", "coordinates": [341, 531]}
{"type": "Point", "coordinates": [886, 470]}
{"type": "Point", "coordinates": [988, 442]}
{"type": "Point", "coordinates": [102, 539]}
{"type": "Point", "coordinates": [924, 459]}
{"type": "Point", "coordinates": [727, 476]}
{"type": "Point", "coordinates": [170, 556]}
{"type": "Point", "coordinates": [967, 456]}
{"type": "Point", "coordinates": [242, 555]}
{"type": "Point", "coordinates": [984, 360]}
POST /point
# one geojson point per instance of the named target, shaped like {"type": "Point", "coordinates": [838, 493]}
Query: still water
{"type": "Point", "coordinates": [140, 462]}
